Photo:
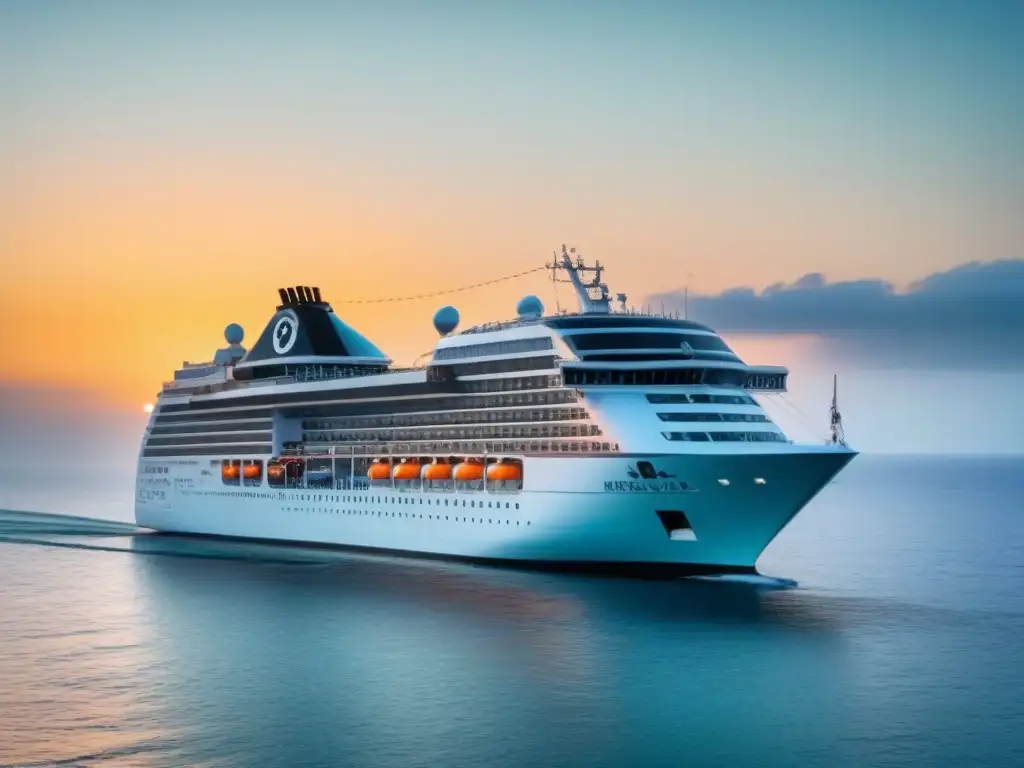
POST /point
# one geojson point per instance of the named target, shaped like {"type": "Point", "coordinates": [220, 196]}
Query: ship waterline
{"type": "Point", "coordinates": [602, 440]}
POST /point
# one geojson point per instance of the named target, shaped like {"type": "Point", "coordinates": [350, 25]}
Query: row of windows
{"type": "Point", "coordinates": [726, 437]}
{"type": "Point", "coordinates": [744, 417]}
{"type": "Point", "coordinates": [462, 448]}
{"type": "Point", "coordinates": [307, 372]}
{"type": "Point", "coordinates": [700, 399]}
{"type": "Point", "coordinates": [504, 366]}
{"type": "Point", "coordinates": [384, 391]}
{"type": "Point", "coordinates": [231, 426]}
{"type": "Point", "coordinates": [455, 433]}
{"type": "Point", "coordinates": [303, 373]}
{"type": "Point", "coordinates": [454, 404]}
{"type": "Point", "coordinates": [479, 416]}
{"type": "Point", "coordinates": [639, 340]}
{"type": "Point", "coordinates": [647, 356]}
{"type": "Point", "coordinates": [204, 450]}
{"type": "Point", "coordinates": [436, 375]}
{"type": "Point", "coordinates": [724, 377]}
{"type": "Point", "coordinates": [206, 438]}
{"type": "Point", "coordinates": [511, 347]}
{"type": "Point", "coordinates": [163, 418]}
{"type": "Point", "coordinates": [495, 399]}
{"type": "Point", "coordinates": [770, 382]}
{"type": "Point", "coordinates": [550, 381]}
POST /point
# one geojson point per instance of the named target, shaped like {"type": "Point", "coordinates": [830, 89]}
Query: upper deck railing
{"type": "Point", "coordinates": [499, 325]}
{"type": "Point", "coordinates": [294, 374]}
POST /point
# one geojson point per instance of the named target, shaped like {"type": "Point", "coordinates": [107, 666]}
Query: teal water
{"type": "Point", "coordinates": [889, 631]}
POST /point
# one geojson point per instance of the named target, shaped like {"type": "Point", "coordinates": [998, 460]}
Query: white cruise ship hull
{"type": "Point", "coordinates": [574, 513]}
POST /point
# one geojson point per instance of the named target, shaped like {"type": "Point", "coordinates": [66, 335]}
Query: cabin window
{"type": "Point", "coordinates": [759, 418]}
{"type": "Point", "coordinates": [693, 437]}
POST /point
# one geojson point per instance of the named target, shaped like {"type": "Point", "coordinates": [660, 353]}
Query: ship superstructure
{"type": "Point", "coordinates": [604, 439]}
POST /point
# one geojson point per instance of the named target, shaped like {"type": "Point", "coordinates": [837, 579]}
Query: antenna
{"type": "Point", "coordinates": [592, 294]}
{"type": "Point", "coordinates": [553, 266]}
{"type": "Point", "coordinates": [838, 435]}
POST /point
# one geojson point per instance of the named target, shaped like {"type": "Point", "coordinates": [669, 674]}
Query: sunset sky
{"type": "Point", "coordinates": [164, 167]}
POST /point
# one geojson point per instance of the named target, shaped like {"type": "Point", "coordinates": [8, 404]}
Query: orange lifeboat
{"type": "Point", "coordinates": [229, 472]}
{"type": "Point", "coordinates": [437, 470]}
{"type": "Point", "coordinates": [409, 469]}
{"type": "Point", "coordinates": [503, 471]}
{"type": "Point", "coordinates": [252, 472]}
{"type": "Point", "coordinates": [275, 472]}
{"type": "Point", "coordinates": [471, 469]}
{"type": "Point", "coordinates": [379, 470]}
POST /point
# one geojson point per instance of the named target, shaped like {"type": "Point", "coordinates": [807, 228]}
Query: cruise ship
{"type": "Point", "coordinates": [604, 440]}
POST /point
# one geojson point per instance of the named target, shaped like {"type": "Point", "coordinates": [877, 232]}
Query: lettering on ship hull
{"type": "Point", "coordinates": [646, 478]}
{"type": "Point", "coordinates": [651, 486]}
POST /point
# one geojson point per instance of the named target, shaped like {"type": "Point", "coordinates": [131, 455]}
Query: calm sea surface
{"type": "Point", "coordinates": [889, 630]}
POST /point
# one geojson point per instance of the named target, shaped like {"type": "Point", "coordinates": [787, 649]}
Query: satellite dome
{"type": "Point", "coordinates": [234, 334]}
{"type": "Point", "coordinates": [530, 308]}
{"type": "Point", "coordinates": [446, 320]}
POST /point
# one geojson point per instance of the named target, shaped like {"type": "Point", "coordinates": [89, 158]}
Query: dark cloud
{"type": "Point", "coordinates": [972, 315]}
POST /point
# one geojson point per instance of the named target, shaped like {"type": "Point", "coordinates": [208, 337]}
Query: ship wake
{"type": "Point", "coordinates": [73, 532]}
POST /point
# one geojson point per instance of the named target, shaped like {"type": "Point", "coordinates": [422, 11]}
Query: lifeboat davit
{"type": "Point", "coordinates": [437, 470]}
{"type": "Point", "coordinates": [252, 472]}
{"type": "Point", "coordinates": [409, 469]}
{"type": "Point", "coordinates": [471, 469]}
{"type": "Point", "coordinates": [379, 470]}
{"type": "Point", "coordinates": [293, 466]}
{"type": "Point", "coordinates": [503, 471]}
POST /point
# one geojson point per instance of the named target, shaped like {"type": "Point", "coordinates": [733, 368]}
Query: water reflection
{"type": "Point", "coordinates": [234, 653]}
{"type": "Point", "coordinates": [397, 660]}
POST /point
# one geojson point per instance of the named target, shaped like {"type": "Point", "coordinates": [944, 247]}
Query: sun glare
{"type": "Point", "coordinates": [148, 407]}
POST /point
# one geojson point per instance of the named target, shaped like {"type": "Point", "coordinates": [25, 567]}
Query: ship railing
{"type": "Point", "coordinates": [499, 325]}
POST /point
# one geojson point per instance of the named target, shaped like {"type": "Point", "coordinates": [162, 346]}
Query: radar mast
{"type": "Point", "coordinates": [592, 294]}
{"type": "Point", "coordinates": [838, 435]}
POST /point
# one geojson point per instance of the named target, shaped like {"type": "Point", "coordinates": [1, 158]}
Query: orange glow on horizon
{"type": "Point", "coordinates": [123, 272]}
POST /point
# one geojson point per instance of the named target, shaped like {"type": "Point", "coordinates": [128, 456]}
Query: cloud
{"type": "Point", "coordinates": [971, 315]}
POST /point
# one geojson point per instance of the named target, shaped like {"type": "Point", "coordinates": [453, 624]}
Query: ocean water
{"type": "Point", "coordinates": [887, 630]}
